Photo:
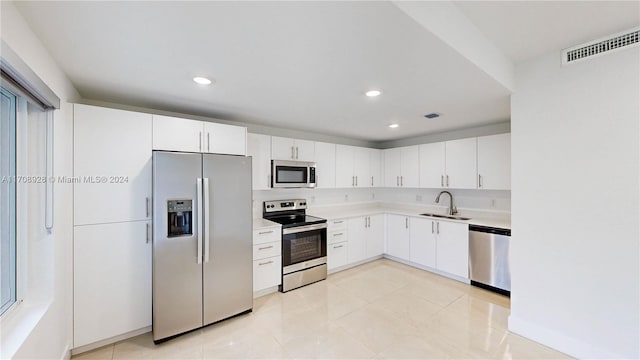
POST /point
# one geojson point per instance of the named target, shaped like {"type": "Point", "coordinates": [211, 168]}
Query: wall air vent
{"type": "Point", "coordinates": [601, 46]}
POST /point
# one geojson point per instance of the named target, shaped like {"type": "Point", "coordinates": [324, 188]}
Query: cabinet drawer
{"type": "Point", "coordinates": [337, 255]}
{"type": "Point", "coordinates": [266, 250]}
{"type": "Point", "coordinates": [336, 225]}
{"type": "Point", "coordinates": [266, 235]}
{"type": "Point", "coordinates": [337, 236]}
{"type": "Point", "coordinates": [267, 273]}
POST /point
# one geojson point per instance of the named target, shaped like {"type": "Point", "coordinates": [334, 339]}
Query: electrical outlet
{"type": "Point", "coordinates": [346, 197]}
{"type": "Point", "coordinates": [418, 197]}
{"type": "Point", "coordinates": [312, 199]}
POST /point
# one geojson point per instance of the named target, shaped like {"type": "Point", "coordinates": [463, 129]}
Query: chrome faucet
{"type": "Point", "coordinates": [452, 208]}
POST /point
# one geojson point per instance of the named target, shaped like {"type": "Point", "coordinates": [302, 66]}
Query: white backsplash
{"type": "Point", "coordinates": [495, 200]}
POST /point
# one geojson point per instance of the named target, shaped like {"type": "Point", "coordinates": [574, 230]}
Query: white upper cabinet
{"type": "Point", "coordinates": [375, 161]}
{"type": "Point", "coordinates": [176, 134]}
{"type": "Point", "coordinates": [112, 156]}
{"type": "Point", "coordinates": [494, 162]}
{"type": "Point", "coordinates": [362, 167]}
{"type": "Point", "coordinates": [461, 164]}
{"type": "Point", "coordinates": [401, 167]}
{"type": "Point", "coordinates": [259, 148]}
{"type": "Point", "coordinates": [432, 165]}
{"type": "Point", "coordinates": [292, 149]}
{"type": "Point", "coordinates": [345, 155]}
{"type": "Point", "coordinates": [325, 165]}
{"type": "Point", "coordinates": [224, 139]}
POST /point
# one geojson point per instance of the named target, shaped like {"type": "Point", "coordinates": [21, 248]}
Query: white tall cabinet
{"type": "Point", "coordinates": [112, 223]}
{"type": "Point", "coordinates": [494, 162]}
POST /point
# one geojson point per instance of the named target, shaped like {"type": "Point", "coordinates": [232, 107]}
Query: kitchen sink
{"type": "Point", "coordinates": [452, 217]}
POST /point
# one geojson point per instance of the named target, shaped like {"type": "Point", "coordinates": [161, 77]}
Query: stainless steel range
{"type": "Point", "coordinates": [304, 242]}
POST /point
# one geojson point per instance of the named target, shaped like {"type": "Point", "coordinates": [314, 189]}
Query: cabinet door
{"type": "Point", "coordinates": [305, 150]}
{"type": "Point", "coordinates": [410, 172]}
{"type": "Point", "coordinates": [375, 236]}
{"type": "Point", "coordinates": [176, 134]}
{"type": "Point", "coordinates": [325, 165]}
{"type": "Point", "coordinates": [423, 242]}
{"type": "Point", "coordinates": [357, 239]}
{"type": "Point", "coordinates": [392, 167]}
{"type": "Point", "coordinates": [362, 167]}
{"type": "Point", "coordinates": [282, 148]}
{"type": "Point", "coordinates": [344, 166]}
{"type": "Point", "coordinates": [375, 159]}
{"type": "Point", "coordinates": [111, 280]}
{"type": "Point", "coordinates": [113, 147]}
{"type": "Point", "coordinates": [432, 165]}
{"type": "Point", "coordinates": [398, 237]}
{"type": "Point", "coordinates": [453, 248]}
{"type": "Point", "coordinates": [337, 255]}
{"type": "Point", "coordinates": [267, 273]}
{"type": "Point", "coordinates": [461, 164]}
{"type": "Point", "coordinates": [225, 139]}
{"type": "Point", "coordinates": [259, 148]}
{"type": "Point", "coordinates": [494, 162]}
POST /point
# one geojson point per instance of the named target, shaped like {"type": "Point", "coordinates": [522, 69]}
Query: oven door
{"type": "Point", "coordinates": [303, 247]}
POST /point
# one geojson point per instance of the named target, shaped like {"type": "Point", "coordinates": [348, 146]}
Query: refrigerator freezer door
{"type": "Point", "coordinates": [228, 271]}
{"type": "Point", "coordinates": [177, 274]}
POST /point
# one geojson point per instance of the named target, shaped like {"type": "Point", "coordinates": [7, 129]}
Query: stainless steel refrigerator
{"type": "Point", "coordinates": [202, 240]}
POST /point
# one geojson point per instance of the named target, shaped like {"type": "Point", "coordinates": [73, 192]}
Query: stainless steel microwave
{"type": "Point", "coordinates": [293, 174]}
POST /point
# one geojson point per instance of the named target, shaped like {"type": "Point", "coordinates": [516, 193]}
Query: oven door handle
{"type": "Point", "coordinates": [299, 229]}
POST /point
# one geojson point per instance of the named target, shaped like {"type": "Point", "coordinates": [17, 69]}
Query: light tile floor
{"type": "Point", "coordinates": [378, 310]}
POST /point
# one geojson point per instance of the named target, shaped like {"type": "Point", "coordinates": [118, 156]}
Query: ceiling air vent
{"type": "Point", "coordinates": [601, 46]}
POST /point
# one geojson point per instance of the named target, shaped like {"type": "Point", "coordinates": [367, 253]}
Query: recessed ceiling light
{"type": "Point", "coordinates": [202, 80]}
{"type": "Point", "coordinates": [373, 93]}
{"type": "Point", "coordinates": [393, 126]}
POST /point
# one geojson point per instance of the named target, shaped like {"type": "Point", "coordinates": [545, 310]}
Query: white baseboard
{"type": "Point", "coordinates": [111, 340]}
{"type": "Point", "coordinates": [352, 265]}
{"type": "Point", "coordinates": [559, 341]}
{"type": "Point", "coordinates": [66, 355]}
{"type": "Point", "coordinates": [429, 269]}
{"type": "Point", "coordinates": [263, 292]}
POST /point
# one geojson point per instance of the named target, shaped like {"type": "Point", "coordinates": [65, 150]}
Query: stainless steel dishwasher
{"type": "Point", "coordinates": [489, 258]}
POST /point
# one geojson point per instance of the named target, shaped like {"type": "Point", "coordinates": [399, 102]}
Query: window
{"type": "Point", "coordinates": [7, 200]}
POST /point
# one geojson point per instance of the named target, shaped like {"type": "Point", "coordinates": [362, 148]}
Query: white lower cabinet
{"type": "Point", "coordinates": [111, 280]}
{"type": "Point", "coordinates": [398, 239]}
{"type": "Point", "coordinates": [375, 235]}
{"type": "Point", "coordinates": [357, 239]}
{"type": "Point", "coordinates": [337, 255]}
{"type": "Point", "coordinates": [267, 259]}
{"type": "Point", "coordinates": [452, 255]}
{"type": "Point", "coordinates": [423, 242]}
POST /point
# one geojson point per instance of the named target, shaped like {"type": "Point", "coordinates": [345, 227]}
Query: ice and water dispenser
{"type": "Point", "coordinates": [180, 217]}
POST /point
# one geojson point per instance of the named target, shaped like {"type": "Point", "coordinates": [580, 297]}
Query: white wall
{"type": "Point", "coordinates": [49, 267]}
{"type": "Point", "coordinates": [575, 175]}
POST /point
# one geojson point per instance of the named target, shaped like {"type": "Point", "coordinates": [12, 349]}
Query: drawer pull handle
{"type": "Point", "coordinates": [265, 232]}
{"type": "Point", "coordinates": [338, 222]}
{"type": "Point", "coordinates": [266, 263]}
{"type": "Point", "coordinates": [338, 234]}
{"type": "Point", "coordinates": [266, 247]}
{"type": "Point", "coordinates": [336, 247]}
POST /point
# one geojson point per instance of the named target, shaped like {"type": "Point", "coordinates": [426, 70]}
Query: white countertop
{"type": "Point", "coordinates": [478, 217]}
{"type": "Point", "coordinates": [260, 223]}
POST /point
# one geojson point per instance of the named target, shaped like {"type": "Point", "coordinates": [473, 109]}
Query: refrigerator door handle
{"type": "Point", "coordinates": [206, 217]}
{"type": "Point", "coordinates": [200, 219]}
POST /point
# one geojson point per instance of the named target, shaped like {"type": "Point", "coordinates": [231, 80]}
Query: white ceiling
{"type": "Point", "coordinates": [298, 65]}
{"type": "Point", "coordinates": [526, 29]}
